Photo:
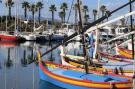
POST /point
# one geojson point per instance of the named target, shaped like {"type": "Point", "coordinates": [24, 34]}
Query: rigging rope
{"type": "Point", "coordinates": [70, 11]}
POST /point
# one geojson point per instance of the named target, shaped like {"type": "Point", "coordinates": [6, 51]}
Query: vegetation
{"type": "Point", "coordinates": [9, 4]}
{"type": "Point", "coordinates": [33, 9]}
{"type": "Point", "coordinates": [85, 10]}
{"type": "Point", "coordinates": [39, 7]}
{"type": "Point", "coordinates": [95, 14]}
{"type": "Point", "coordinates": [64, 7]}
{"type": "Point", "coordinates": [26, 6]}
{"type": "Point", "coordinates": [62, 15]}
{"type": "Point", "coordinates": [52, 9]}
{"type": "Point", "coordinates": [103, 9]}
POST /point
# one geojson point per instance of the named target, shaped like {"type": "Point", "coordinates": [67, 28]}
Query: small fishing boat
{"type": "Point", "coordinates": [8, 37]}
{"type": "Point", "coordinates": [110, 67]}
{"type": "Point", "coordinates": [70, 77]}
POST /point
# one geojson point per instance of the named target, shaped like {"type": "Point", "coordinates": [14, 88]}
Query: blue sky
{"type": "Point", "coordinates": [92, 4]}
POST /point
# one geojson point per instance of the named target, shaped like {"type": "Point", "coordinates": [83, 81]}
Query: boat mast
{"type": "Point", "coordinates": [132, 38]}
{"type": "Point", "coordinates": [83, 37]}
{"type": "Point", "coordinates": [97, 32]}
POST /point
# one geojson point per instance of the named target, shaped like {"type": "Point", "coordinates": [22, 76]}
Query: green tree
{"type": "Point", "coordinates": [86, 18]}
{"type": "Point", "coordinates": [64, 7]}
{"type": "Point", "coordinates": [33, 9]}
{"type": "Point", "coordinates": [85, 10]}
{"type": "Point", "coordinates": [9, 4]}
{"type": "Point", "coordinates": [26, 6]}
{"type": "Point", "coordinates": [103, 9]}
{"type": "Point", "coordinates": [62, 15]}
{"type": "Point", "coordinates": [39, 7]}
{"type": "Point", "coordinates": [52, 9]}
{"type": "Point", "coordinates": [107, 12]}
{"type": "Point", "coordinates": [94, 14]}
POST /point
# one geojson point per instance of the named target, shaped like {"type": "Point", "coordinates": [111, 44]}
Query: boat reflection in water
{"type": "Point", "coordinates": [46, 85]}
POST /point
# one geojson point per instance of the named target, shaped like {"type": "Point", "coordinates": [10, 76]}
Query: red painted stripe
{"type": "Point", "coordinates": [6, 37]}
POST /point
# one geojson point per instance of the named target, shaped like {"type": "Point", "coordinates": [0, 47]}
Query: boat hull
{"type": "Point", "coordinates": [48, 72]}
{"type": "Point", "coordinates": [8, 37]}
{"type": "Point", "coordinates": [59, 83]}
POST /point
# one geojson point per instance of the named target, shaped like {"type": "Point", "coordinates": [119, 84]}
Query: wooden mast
{"type": "Point", "coordinates": [83, 37]}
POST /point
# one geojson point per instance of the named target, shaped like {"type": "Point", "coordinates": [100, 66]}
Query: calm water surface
{"type": "Point", "coordinates": [18, 68]}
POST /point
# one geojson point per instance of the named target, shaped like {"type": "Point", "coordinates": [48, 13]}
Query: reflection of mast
{"type": "Point", "coordinates": [9, 62]}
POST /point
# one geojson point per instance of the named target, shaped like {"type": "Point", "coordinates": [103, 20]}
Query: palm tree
{"type": "Point", "coordinates": [52, 8]}
{"type": "Point", "coordinates": [94, 14]}
{"type": "Point", "coordinates": [62, 15]}
{"type": "Point", "coordinates": [9, 4]}
{"type": "Point", "coordinates": [107, 13]}
{"type": "Point", "coordinates": [64, 7]}
{"type": "Point", "coordinates": [26, 6]}
{"type": "Point", "coordinates": [103, 9]}
{"type": "Point", "coordinates": [39, 6]}
{"type": "Point", "coordinates": [33, 9]}
{"type": "Point", "coordinates": [85, 10]}
{"type": "Point", "coordinates": [86, 18]}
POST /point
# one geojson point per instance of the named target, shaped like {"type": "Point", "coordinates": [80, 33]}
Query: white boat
{"type": "Point", "coordinates": [28, 36]}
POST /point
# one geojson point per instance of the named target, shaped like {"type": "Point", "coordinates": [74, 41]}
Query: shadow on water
{"type": "Point", "coordinates": [47, 85]}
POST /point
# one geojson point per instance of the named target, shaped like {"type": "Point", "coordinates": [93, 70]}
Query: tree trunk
{"type": "Point", "coordinates": [25, 12]}
{"type": "Point", "coordinates": [39, 15]}
{"type": "Point", "coordinates": [33, 15]}
{"type": "Point", "coordinates": [9, 12]}
{"type": "Point", "coordinates": [64, 15]}
{"type": "Point", "coordinates": [94, 17]}
{"type": "Point", "coordinates": [52, 18]}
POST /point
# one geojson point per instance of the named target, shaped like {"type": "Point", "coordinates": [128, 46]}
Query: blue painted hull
{"type": "Point", "coordinates": [59, 83]}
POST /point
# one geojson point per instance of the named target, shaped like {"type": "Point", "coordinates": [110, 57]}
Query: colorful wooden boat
{"type": "Point", "coordinates": [118, 58]}
{"type": "Point", "coordinates": [71, 60]}
{"type": "Point", "coordinates": [70, 77]}
{"type": "Point", "coordinates": [124, 52]}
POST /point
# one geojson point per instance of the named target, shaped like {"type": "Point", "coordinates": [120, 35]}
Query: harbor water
{"type": "Point", "coordinates": [19, 69]}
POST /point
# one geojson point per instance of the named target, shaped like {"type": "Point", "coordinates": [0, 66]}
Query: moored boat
{"type": "Point", "coordinates": [70, 77]}
{"type": "Point", "coordinates": [8, 37]}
